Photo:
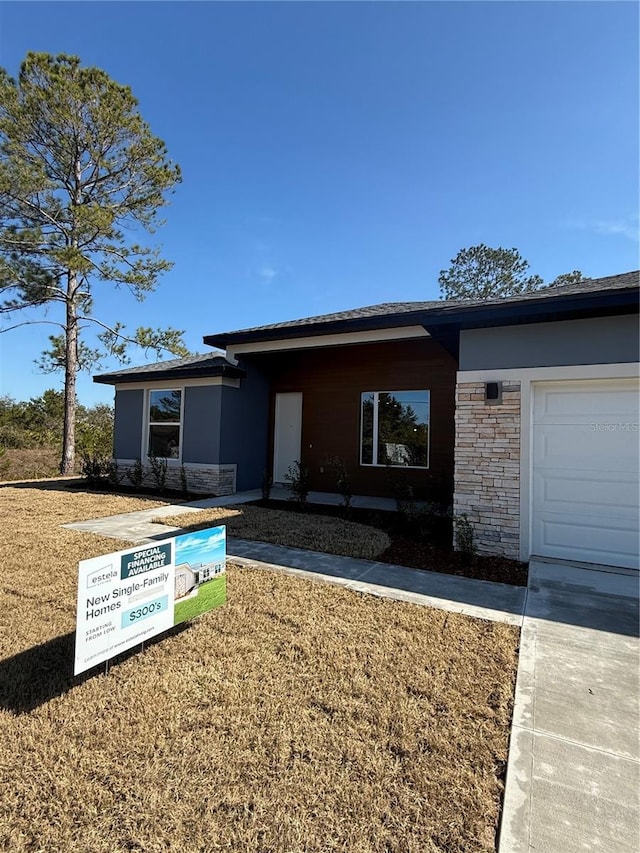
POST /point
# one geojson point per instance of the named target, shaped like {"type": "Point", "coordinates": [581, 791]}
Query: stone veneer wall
{"type": "Point", "coordinates": [206, 479]}
{"type": "Point", "coordinates": [487, 467]}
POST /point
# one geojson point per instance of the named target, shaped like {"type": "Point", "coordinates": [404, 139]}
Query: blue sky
{"type": "Point", "coordinates": [204, 546]}
{"type": "Point", "coordinates": [340, 154]}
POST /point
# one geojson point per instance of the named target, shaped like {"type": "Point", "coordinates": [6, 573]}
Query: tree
{"type": "Point", "coordinates": [39, 423]}
{"type": "Point", "coordinates": [80, 172]}
{"type": "Point", "coordinates": [565, 278]}
{"type": "Point", "coordinates": [481, 272]}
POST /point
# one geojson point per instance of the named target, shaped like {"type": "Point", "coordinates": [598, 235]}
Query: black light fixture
{"type": "Point", "coordinates": [493, 393]}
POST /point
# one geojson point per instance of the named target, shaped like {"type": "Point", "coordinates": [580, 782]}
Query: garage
{"type": "Point", "coordinates": [585, 471]}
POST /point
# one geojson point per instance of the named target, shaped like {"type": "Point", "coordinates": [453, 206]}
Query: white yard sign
{"type": "Point", "coordinates": [129, 596]}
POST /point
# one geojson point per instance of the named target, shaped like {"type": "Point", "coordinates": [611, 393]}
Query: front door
{"type": "Point", "coordinates": [287, 433]}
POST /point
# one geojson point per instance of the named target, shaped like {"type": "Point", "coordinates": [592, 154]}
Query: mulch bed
{"type": "Point", "coordinates": [419, 555]}
{"type": "Point", "coordinates": [410, 551]}
{"type": "Point", "coordinates": [405, 549]}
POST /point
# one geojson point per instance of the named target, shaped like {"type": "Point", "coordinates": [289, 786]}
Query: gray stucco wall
{"type": "Point", "coordinates": [127, 428]}
{"type": "Point", "coordinates": [221, 425]}
{"type": "Point", "coordinates": [201, 424]}
{"type": "Point", "coordinates": [244, 430]}
{"type": "Point", "coordinates": [602, 340]}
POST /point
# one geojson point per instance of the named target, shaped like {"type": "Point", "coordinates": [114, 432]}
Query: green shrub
{"type": "Point", "coordinates": [297, 478]}
{"type": "Point", "coordinates": [135, 474]}
{"type": "Point", "coordinates": [267, 483]}
{"type": "Point", "coordinates": [343, 480]}
{"type": "Point", "coordinates": [464, 535]}
{"type": "Point", "coordinates": [114, 473]}
{"type": "Point", "coordinates": [94, 468]}
{"type": "Point", "coordinates": [158, 471]}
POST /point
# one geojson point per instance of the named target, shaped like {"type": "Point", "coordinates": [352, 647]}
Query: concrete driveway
{"type": "Point", "coordinates": [573, 774]}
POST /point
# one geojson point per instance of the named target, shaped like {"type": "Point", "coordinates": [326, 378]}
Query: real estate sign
{"type": "Point", "coordinates": [129, 596]}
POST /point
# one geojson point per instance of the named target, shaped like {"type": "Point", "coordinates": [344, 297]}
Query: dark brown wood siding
{"type": "Point", "coordinates": [332, 379]}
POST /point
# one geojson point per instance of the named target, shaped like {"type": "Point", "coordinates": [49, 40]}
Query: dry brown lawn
{"type": "Point", "coordinates": [299, 717]}
{"type": "Point", "coordinates": [292, 529]}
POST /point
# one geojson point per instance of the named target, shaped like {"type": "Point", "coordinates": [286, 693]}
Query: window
{"type": "Point", "coordinates": [394, 428]}
{"type": "Point", "coordinates": [165, 408]}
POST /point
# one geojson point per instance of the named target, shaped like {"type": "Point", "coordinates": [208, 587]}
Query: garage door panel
{"type": "Point", "coordinates": [589, 448]}
{"type": "Point", "coordinates": [585, 478]}
{"type": "Point", "coordinates": [592, 492]}
{"type": "Point", "coordinates": [591, 541]}
{"type": "Point", "coordinates": [581, 405]}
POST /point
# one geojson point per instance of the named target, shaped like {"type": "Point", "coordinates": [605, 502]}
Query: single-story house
{"type": "Point", "coordinates": [185, 580]}
{"type": "Point", "coordinates": [524, 409]}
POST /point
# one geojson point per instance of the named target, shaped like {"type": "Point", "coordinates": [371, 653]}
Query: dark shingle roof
{"type": "Point", "coordinates": [193, 366]}
{"type": "Point", "coordinates": [440, 307]}
{"type": "Point", "coordinates": [431, 314]}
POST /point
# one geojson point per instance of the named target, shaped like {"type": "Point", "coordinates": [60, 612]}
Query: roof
{"type": "Point", "coordinates": [443, 319]}
{"type": "Point", "coordinates": [193, 366]}
{"type": "Point", "coordinates": [450, 312]}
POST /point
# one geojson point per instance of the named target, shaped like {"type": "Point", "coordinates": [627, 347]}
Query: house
{"type": "Point", "coordinates": [185, 580]}
{"type": "Point", "coordinates": [524, 408]}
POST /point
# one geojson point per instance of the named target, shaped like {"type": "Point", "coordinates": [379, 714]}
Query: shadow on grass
{"type": "Point", "coordinates": [39, 674]}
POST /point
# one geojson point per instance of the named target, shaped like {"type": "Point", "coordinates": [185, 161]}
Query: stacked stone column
{"type": "Point", "coordinates": [487, 466]}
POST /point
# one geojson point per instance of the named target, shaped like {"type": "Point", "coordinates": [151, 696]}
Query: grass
{"type": "Point", "coordinates": [298, 718]}
{"type": "Point", "coordinates": [211, 594]}
{"type": "Point", "coordinates": [292, 529]}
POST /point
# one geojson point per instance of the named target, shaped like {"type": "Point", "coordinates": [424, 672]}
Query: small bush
{"type": "Point", "coordinates": [267, 483]}
{"type": "Point", "coordinates": [343, 480]}
{"type": "Point", "coordinates": [402, 491]}
{"type": "Point", "coordinates": [114, 473]}
{"type": "Point", "coordinates": [135, 474]}
{"type": "Point", "coordinates": [94, 468]}
{"type": "Point", "coordinates": [297, 478]}
{"type": "Point", "coordinates": [464, 535]}
{"type": "Point", "coordinates": [158, 471]}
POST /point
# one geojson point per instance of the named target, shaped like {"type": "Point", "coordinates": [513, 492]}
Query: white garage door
{"type": "Point", "coordinates": [585, 498]}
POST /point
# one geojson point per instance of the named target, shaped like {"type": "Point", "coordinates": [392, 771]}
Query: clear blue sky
{"type": "Point", "coordinates": [340, 154]}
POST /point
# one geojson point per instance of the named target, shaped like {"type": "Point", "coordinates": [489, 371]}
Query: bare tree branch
{"type": "Point", "coordinates": [31, 323]}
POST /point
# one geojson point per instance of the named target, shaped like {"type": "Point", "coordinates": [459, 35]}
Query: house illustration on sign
{"type": "Point", "coordinates": [188, 577]}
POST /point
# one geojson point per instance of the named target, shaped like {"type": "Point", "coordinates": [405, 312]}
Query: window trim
{"type": "Point", "coordinates": [148, 423]}
{"type": "Point", "coordinates": [374, 454]}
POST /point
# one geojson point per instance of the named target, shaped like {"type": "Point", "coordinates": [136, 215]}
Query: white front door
{"type": "Point", "coordinates": [287, 433]}
{"type": "Point", "coordinates": [585, 495]}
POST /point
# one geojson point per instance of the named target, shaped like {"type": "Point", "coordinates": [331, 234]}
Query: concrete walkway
{"type": "Point", "coordinates": [494, 601]}
{"type": "Point", "coordinates": [573, 773]}
{"type": "Point", "coordinates": [136, 526]}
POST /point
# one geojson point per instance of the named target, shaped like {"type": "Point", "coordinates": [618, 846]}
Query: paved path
{"type": "Point", "coordinates": [494, 601]}
{"type": "Point", "coordinates": [498, 602]}
{"type": "Point", "coordinates": [574, 761]}
{"type": "Point", "coordinates": [573, 774]}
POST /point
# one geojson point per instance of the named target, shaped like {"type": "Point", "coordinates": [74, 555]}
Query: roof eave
{"type": "Point", "coordinates": [171, 374]}
{"type": "Point", "coordinates": [569, 306]}
{"type": "Point", "coordinates": [308, 330]}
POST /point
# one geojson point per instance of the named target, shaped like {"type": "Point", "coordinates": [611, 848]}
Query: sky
{"type": "Point", "coordinates": [204, 546]}
{"type": "Point", "coordinates": [340, 154]}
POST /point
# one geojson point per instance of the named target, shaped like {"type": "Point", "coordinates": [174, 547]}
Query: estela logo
{"type": "Point", "coordinates": [102, 575]}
